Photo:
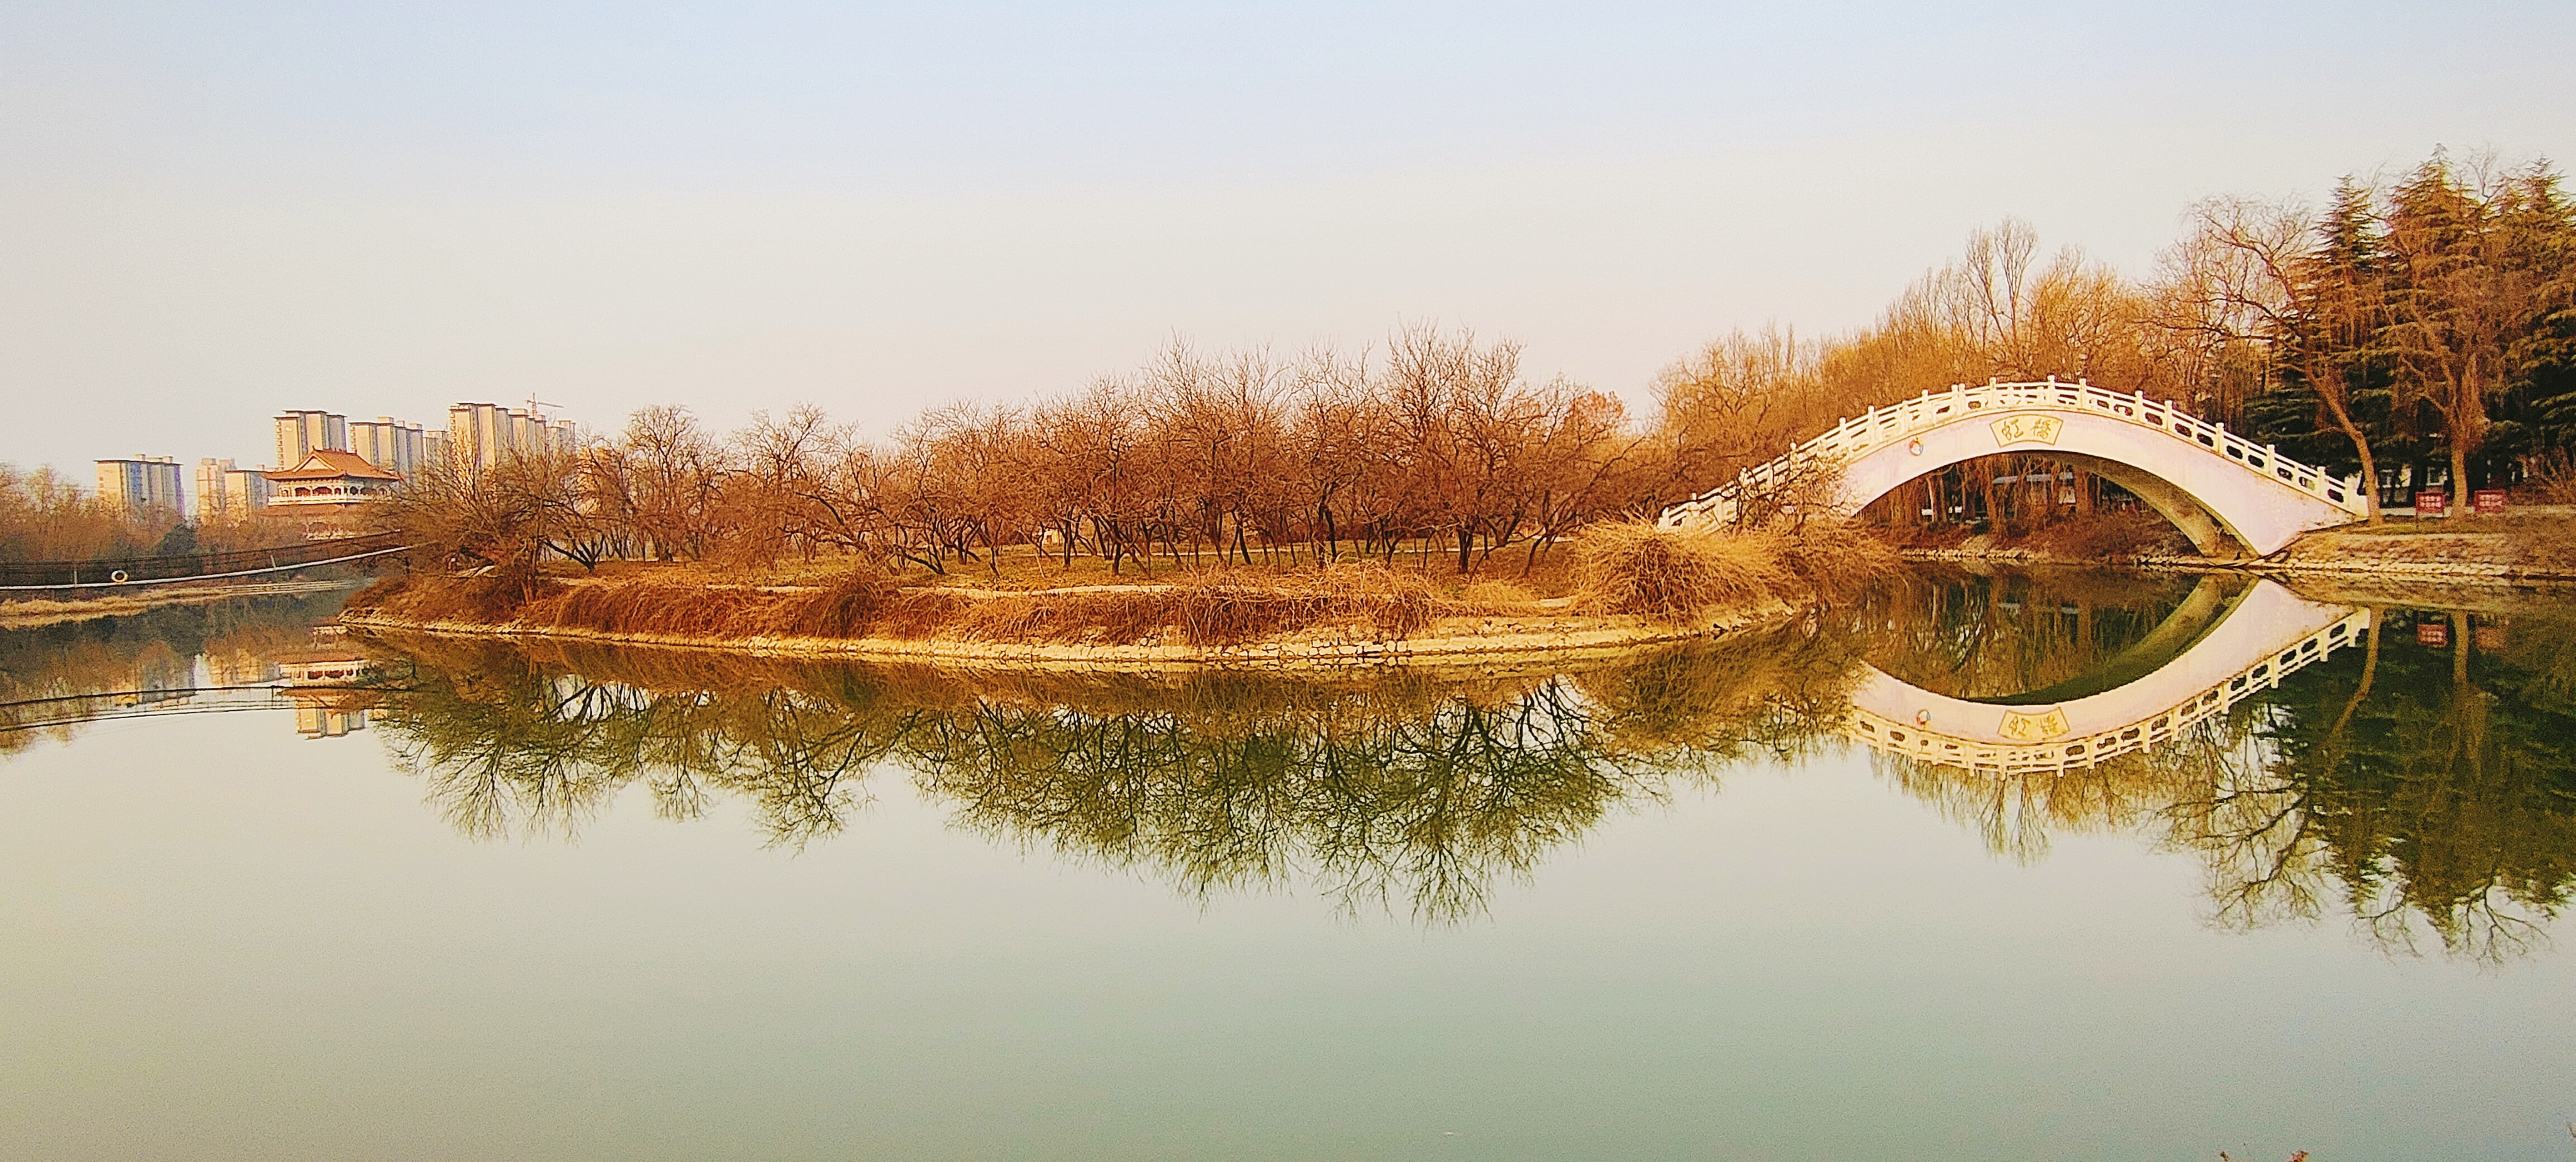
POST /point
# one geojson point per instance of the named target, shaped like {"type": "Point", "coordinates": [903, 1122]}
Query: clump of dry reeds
{"type": "Point", "coordinates": [850, 606]}
{"type": "Point", "coordinates": [1678, 576]}
{"type": "Point", "coordinates": [861, 603]}
{"type": "Point", "coordinates": [654, 607]}
{"type": "Point", "coordinates": [2122, 535]}
{"type": "Point", "coordinates": [1682, 576]}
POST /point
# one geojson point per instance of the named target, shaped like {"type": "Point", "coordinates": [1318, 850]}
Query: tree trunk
{"type": "Point", "coordinates": [2459, 479]}
{"type": "Point", "coordinates": [2361, 448]}
{"type": "Point", "coordinates": [2369, 671]}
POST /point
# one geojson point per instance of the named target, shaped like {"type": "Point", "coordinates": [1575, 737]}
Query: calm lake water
{"type": "Point", "coordinates": [2007, 866]}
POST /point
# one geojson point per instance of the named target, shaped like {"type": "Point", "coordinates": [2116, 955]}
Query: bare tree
{"type": "Point", "coordinates": [2299, 291]}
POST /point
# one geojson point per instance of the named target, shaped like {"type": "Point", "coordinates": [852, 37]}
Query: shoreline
{"type": "Point", "coordinates": [2500, 554]}
{"type": "Point", "coordinates": [1491, 643]}
{"type": "Point", "coordinates": [37, 613]}
{"type": "Point", "coordinates": [2348, 566]}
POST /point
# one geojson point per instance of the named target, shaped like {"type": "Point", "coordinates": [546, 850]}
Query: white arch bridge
{"type": "Point", "coordinates": [2212, 485]}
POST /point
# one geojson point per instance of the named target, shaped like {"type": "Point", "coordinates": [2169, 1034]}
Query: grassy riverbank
{"type": "Point", "coordinates": [1623, 586]}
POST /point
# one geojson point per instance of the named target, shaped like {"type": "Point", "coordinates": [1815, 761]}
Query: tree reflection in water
{"type": "Point", "coordinates": [51, 676]}
{"type": "Point", "coordinates": [2424, 781]}
{"type": "Point", "coordinates": [1392, 785]}
{"type": "Point", "coordinates": [2427, 788]}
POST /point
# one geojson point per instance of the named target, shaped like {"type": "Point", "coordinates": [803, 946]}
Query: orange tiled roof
{"type": "Point", "coordinates": [332, 464]}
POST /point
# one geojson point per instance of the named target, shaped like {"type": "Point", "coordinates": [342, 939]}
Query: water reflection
{"type": "Point", "coordinates": [1386, 787]}
{"type": "Point", "coordinates": [250, 654]}
{"type": "Point", "coordinates": [2009, 635]}
{"type": "Point", "coordinates": [2407, 766]}
{"type": "Point", "coordinates": [2426, 779]}
{"type": "Point", "coordinates": [2410, 765]}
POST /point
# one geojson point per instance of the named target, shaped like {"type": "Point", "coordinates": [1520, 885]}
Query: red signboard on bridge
{"type": "Point", "coordinates": [2487, 501]}
{"type": "Point", "coordinates": [2432, 503]}
{"type": "Point", "coordinates": [2433, 633]}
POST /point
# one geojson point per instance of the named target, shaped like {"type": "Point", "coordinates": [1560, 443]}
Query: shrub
{"type": "Point", "coordinates": [2549, 477]}
{"type": "Point", "coordinates": [1677, 576]}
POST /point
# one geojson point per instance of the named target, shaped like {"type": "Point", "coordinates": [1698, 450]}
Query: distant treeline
{"type": "Point", "coordinates": [47, 517]}
{"type": "Point", "coordinates": [2423, 322]}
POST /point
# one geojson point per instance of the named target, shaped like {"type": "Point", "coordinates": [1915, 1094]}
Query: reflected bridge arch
{"type": "Point", "coordinates": [2267, 633]}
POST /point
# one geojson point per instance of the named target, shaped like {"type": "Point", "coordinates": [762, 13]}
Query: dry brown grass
{"type": "Point", "coordinates": [2123, 535]}
{"type": "Point", "coordinates": [1676, 576]}
{"type": "Point", "coordinates": [1690, 575]}
{"type": "Point", "coordinates": [1217, 609]}
{"type": "Point", "coordinates": [492, 597]}
{"type": "Point", "coordinates": [1499, 597]}
{"type": "Point", "coordinates": [655, 607]}
{"type": "Point", "coordinates": [40, 612]}
{"type": "Point", "coordinates": [1200, 609]}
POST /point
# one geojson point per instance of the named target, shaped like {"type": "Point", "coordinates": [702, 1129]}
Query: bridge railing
{"type": "Point", "coordinates": [1858, 435]}
{"type": "Point", "coordinates": [1902, 738]}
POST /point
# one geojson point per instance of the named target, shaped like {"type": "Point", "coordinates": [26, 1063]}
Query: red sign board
{"type": "Point", "coordinates": [2432, 503]}
{"type": "Point", "coordinates": [2432, 633]}
{"type": "Point", "coordinates": [2487, 501]}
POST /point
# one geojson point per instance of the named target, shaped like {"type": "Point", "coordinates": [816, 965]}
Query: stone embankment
{"type": "Point", "coordinates": [2523, 551]}
{"type": "Point", "coordinates": [2527, 547]}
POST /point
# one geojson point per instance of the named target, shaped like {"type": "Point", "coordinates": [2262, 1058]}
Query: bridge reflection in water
{"type": "Point", "coordinates": [2212, 653]}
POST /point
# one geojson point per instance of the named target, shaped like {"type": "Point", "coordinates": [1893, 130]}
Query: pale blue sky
{"type": "Point", "coordinates": [211, 212]}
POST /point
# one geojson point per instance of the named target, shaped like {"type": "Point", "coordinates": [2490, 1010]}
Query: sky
{"type": "Point", "coordinates": [213, 212]}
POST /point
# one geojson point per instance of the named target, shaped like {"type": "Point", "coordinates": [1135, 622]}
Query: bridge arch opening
{"type": "Point", "coordinates": [2209, 535]}
{"type": "Point", "coordinates": [2214, 486]}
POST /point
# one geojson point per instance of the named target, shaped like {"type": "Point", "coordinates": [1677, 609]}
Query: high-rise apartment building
{"type": "Point", "coordinates": [302, 433]}
{"type": "Point", "coordinates": [390, 444]}
{"type": "Point", "coordinates": [224, 491]}
{"type": "Point", "coordinates": [141, 484]}
{"type": "Point", "coordinates": [484, 435]}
